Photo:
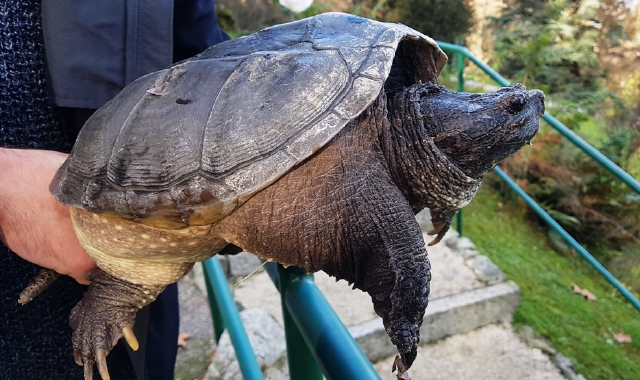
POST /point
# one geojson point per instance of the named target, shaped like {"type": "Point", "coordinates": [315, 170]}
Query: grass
{"type": "Point", "coordinates": [581, 330]}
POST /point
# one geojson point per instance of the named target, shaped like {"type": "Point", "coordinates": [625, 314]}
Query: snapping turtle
{"type": "Point", "coordinates": [312, 143]}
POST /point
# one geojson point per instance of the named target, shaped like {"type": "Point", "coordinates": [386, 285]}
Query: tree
{"type": "Point", "coordinates": [446, 20]}
{"type": "Point", "coordinates": [552, 44]}
{"type": "Point", "coordinates": [556, 45]}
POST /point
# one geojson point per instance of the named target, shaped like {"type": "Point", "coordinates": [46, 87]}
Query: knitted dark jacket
{"type": "Point", "coordinates": [35, 340]}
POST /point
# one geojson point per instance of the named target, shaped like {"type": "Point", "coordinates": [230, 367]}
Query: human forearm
{"type": "Point", "coordinates": [33, 223]}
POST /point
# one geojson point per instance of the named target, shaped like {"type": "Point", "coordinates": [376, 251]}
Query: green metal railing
{"type": "Point", "coordinates": [224, 313]}
{"type": "Point", "coordinates": [310, 323]}
{"type": "Point", "coordinates": [317, 341]}
{"type": "Point", "coordinates": [463, 53]}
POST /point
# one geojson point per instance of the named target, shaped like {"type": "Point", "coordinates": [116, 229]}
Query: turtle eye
{"type": "Point", "coordinates": [515, 104]}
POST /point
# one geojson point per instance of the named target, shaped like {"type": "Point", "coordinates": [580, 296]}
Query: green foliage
{"type": "Point", "coordinates": [314, 9]}
{"type": "Point", "coordinates": [579, 329]}
{"type": "Point", "coordinates": [446, 20]}
{"type": "Point", "coordinates": [551, 44]}
{"type": "Point", "coordinates": [572, 186]}
{"type": "Point", "coordinates": [373, 9]}
{"type": "Point", "coordinates": [616, 147]}
{"type": "Point", "coordinates": [240, 18]}
{"type": "Point", "coordinates": [226, 19]}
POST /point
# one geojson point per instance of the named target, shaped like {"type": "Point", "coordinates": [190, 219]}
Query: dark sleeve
{"type": "Point", "coordinates": [195, 28]}
{"type": "Point", "coordinates": [95, 48]}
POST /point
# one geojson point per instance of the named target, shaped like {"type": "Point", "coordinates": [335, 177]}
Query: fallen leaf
{"type": "Point", "coordinates": [584, 292]}
{"type": "Point", "coordinates": [588, 295]}
{"type": "Point", "coordinates": [622, 337]}
{"type": "Point", "coordinates": [182, 339]}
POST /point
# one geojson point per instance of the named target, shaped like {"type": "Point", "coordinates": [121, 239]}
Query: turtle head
{"type": "Point", "coordinates": [477, 131]}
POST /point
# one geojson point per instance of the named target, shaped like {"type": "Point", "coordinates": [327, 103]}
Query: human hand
{"type": "Point", "coordinates": [33, 223]}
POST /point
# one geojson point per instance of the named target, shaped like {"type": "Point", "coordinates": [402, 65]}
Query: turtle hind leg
{"type": "Point", "coordinates": [40, 283]}
{"type": "Point", "coordinates": [105, 314]}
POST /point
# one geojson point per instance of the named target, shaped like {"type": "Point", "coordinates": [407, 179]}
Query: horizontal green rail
{"type": "Point", "coordinates": [555, 123]}
{"type": "Point", "coordinates": [569, 239]}
{"type": "Point", "coordinates": [593, 152]}
{"type": "Point", "coordinates": [576, 140]}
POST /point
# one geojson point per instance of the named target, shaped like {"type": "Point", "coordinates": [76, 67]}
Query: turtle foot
{"type": "Point", "coordinates": [105, 314]}
{"type": "Point", "coordinates": [43, 279]}
{"type": "Point", "coordinates": [441, 221]}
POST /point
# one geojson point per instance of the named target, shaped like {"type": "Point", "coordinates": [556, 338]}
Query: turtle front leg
{"type": "Point", "coordinates": [393, 268]}
{"type": "Point", "coordinates": [104, 315]}
{"type": "Point", "coordinates": [398, 283]}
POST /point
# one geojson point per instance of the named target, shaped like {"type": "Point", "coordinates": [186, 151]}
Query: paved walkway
{"type": "Point", "coordinates": [493, 352]}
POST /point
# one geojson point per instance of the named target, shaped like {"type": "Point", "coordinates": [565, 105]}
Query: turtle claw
{"type": "Point", "coordinates": [93, 339]}
{"type": "Point", "coordinates": [439, 228]}
{"type": "Point", "coordinates": [97, 327]}
{"type": "Point", "coordinates": [441, 222]}
{"type": "Point", "coordinates": [77, 357]}
{"type": "Point", "coordinates": [402, 370]}
{"type": "Point", "coordinates": [88, 369]}
{"type": "Point", "coordinates": [101, 361]}
{"type": "Point", "coordinates": [440, 231]}
{"type": "Point", "coordinates": [130, 337]}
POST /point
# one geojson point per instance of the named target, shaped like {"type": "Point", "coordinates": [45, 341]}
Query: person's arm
{"type": "Point", "coordinates": [33, 223]}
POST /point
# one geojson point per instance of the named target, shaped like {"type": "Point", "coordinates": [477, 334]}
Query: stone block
{"type": "Point", "coordinates": [446, 316]}
{"type": "Point", "coordinates": [485, 270]}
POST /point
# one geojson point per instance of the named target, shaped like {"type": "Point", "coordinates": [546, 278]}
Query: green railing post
{"type": "Point", "coordinates": [324, 334]}
{"type": "Point", "coordinates": [460, 72]}
{"type": "Point", "coordinates": [231, 319]}
{"type": "Point", "coordinates": [302, 364]}
{"type": "Point", "coordinates": [317, 341]}
{"type": "Point", "coordinates": [216, 313]}
{"type": "Point", "coordinates": [460, 89]}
